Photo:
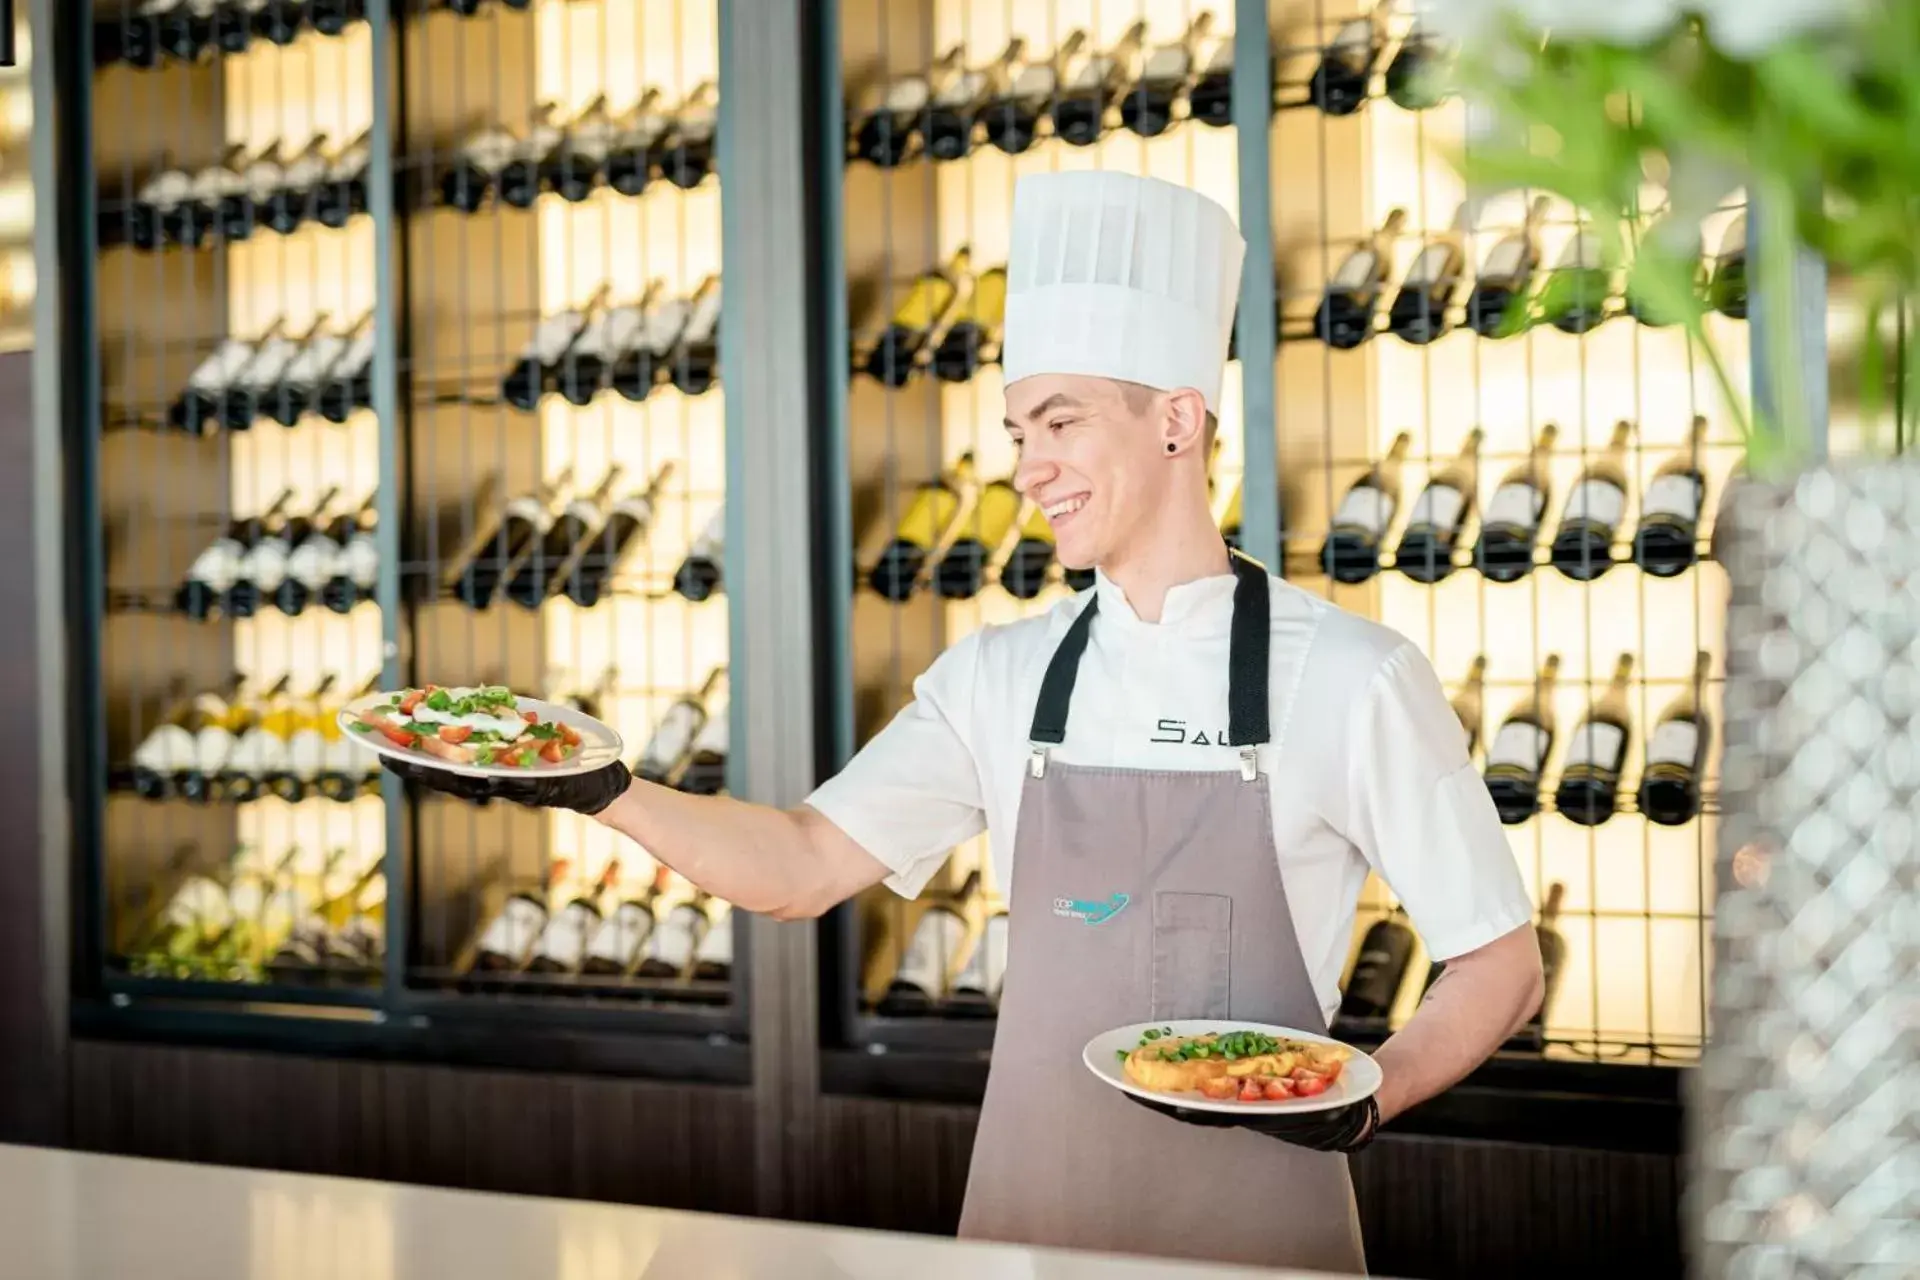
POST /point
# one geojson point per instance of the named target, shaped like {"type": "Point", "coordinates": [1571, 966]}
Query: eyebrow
{"type": "Point", "coordinates": [1058, 400]}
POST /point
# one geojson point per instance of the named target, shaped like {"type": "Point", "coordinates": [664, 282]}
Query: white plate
{"type": "Point", "coordinates": [599, 744]}
{"type": "Point", "coordinates": [1359, 1075]}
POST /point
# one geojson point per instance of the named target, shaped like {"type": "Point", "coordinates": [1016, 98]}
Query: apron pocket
{"type": "Point", "coordinates": [1192, 955]}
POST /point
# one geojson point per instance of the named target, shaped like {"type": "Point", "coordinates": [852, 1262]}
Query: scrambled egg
{"type": "Point", "coordinates": [1147, 1066]}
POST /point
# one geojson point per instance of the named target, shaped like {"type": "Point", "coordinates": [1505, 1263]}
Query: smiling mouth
{"type": "Point", "coordinates": [1056, 512]}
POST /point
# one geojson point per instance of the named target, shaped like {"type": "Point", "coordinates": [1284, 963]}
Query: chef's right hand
{"type": "Point", "coordinates": [586, 793]}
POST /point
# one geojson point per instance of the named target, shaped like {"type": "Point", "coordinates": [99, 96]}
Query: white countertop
{"type": "Point", "coordinates": [71, 1216]}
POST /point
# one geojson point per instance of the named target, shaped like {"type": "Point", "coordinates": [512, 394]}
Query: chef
{"type": "Point", "coordinates": [1186, 772]}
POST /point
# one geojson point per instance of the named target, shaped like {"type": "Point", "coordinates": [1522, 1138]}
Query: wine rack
{"type": "Point", "coordinates": [946, 105]}
{"type": "Point", "coordinates": [407, 366]}
{"type": "Point", "coordinates": [1411, 353]}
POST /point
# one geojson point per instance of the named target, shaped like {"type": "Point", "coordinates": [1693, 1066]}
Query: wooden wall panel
{"type": "Point", "coordinates": [1432, 1208]}
{"type": "Point", "coordinates": [594, 1138]}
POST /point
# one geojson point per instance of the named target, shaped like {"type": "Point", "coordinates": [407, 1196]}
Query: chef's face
{"type": "Point", "coordinates": [1094, 458]}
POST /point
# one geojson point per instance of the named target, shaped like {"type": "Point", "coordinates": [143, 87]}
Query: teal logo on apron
{"type": "Point", "coordinates": [1091, 912]}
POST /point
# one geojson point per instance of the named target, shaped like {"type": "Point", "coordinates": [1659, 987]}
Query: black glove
{"type": "Point", "coordinates": [1343, 1129]}
{"type": "Point", "coordinates": [586, 793]}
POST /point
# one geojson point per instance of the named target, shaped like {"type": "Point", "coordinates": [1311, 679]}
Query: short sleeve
{"type": "Point", "coordinates": [1419, 812]}
{"type": "Point", "coordinates": [913, 792]}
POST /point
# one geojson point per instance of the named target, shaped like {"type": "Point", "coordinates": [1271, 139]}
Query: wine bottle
{"type": "Point", "coordinates": [345, 767]}
{"type": "Point", "coordinates": [354, 571]}
{"type": "Point", "coordinates": [1351, 553]}
{"type": "Point", "coordinates": [591, 700]}
{"type": "Point", "coordinates": [956, 107]}
{"type": "Point", "coordinates": [155, 204]}
{"type": "Point", "coordinates": [1574, 297]}
{"type": "Point", "coordinates": [576, 166]}
{"type": "Point", "coordinates": [614, 949]}
{"type": "Point", "coordinates": [562, 944]}
{"type": "Point", "coordinates": [214, 742]}
{"type": "Point", "coordinates": [205, 396]}
{"type": "Point", "coordinates": [713, 958]}
{"type": "Point", "coordinates": [492, 558]}
{"type": "Point", "coordinates": [311, 555]}
{"type": "Point", "coordinates": [264, 567]}
{"type": "Point", "coordinates": [1589, 787]}
{"type": "Point", "coordinates": [299, 386]}
{"type": "Point", "coordinates": [1511, 524]}
{"type": "Point", "coordinates": [170, 749]}
{"type": "Point", "coordinates": [706, 770]}
{"type": "Point", "coordinates": [261, 552]}
{"type": "Point", "coordinates": [1013, 119]}
{"type": "Point", "coordinates": [674, 941]}
{"type": "Point", "coordinates": [1345, 316]}
{"type": "Point", "coordinates": [360, 945]}
{"type": "Point", "coordinates": [551, 561]}
{"type": "Point", "coordinates": [1664, 242]}
{"type": "Point", "coordinates": [686, 154]}
{"type": "Point", "coordinates": [587, 366]}
{"type": "Point", "coordinates": [1148, 107]}
{"type": "Point", "coordinates": [1553, 956]}
{"type": "Point", "coordinates": [1677, 754]}
{"type": "Point", "coordinates": [1091, 89]}
{"type": "Point", "coordinates": [1520, 748]}
{"type": "Point", "coordinates": [341, 192]}
{"type": "Point", "coordinates": [504, 944]}
{"type": "Point", "coordinates": [695, 359]}
{"type": "Point", "coordinates": [257, 387]}
{"type": "Point", "coordinates": [217, 567]}
{"type": "Point", "coordinates": [291, 200]}
{"type": "Point", "coordinates": [921, 979]}
{"type": "Point", "coordinates": [922, 528]}
{"type": "Point", "coordinates": [238, 770]}
{"type": "Point", "coordinates": [1468, 705]}
{"type": "Point", "coordinates": [519, 180]}
{"type": "Point", "coordinates": [1439, 515]}
{"type": "Point", "coordinates": [1583, 547]}
{"type": "Point", "coordinates": [700, 574]}
{"type": "Point", "coordinates": [640, 365]}
{"type": "Point", "coordinates": [298, 769]}
{"type": "Point", "coordinates": [886, 135]}
{"type": "Point", "coordinates": [475, 172]}
{"type": "Point", "coordinates": [667, 750]}
{"type": "Point", "coordinates": [279, 20]}
{"type": "Point", "coordinates": [1496, 307]}
{"type": "Point", "coordinates": [634, 149]}
{"type": "Point", "coordinates": [195, 219]}
{"type": "Point", "coordinates": [196, 915]}
{"type": "Point", "coordinates": [349, 383]}
{"type": "Point", "coordinates": [1727, 290]}
{"type": "Point", "coordinates": [589, 575]}
{"type": "Point", "coordinates": [331, 17]}
{"type": "Point", "coordinates": [1418, 314]}
{"type": "Point", "coordinates": [973, 338]}
{"type": "Point", "coordinates": [914, 322]}
{"type": "Point", "coordinates": [1210, 101]}
{"type": "Point", "coordinates": [247, 206]}
{"type": "Point", "coordinates": [1025, 570]}
{"type": "Point", "coordinates": [976, 988]}
{"type": "Point", "coordinates": [1417, 76]}
{"type": "Point", "coordinates": [303, 953]}
{"type": "Point", "coordinates": [536, 371]}
{"type": "Point", "coordinates": [140, 33]}
{"type": "Point", "coordinates": [1666, 541]}
{"type": "Point", "coordinates": [186, 30]}
{"type": "Point", "coordinates": [963, 569]}
{"type": "Point", "coordinates": [1339, 84]}
{"type": "Point", "coordinates": [171, 897]}
{"type": "Point", "coordinates": [1385, 952]}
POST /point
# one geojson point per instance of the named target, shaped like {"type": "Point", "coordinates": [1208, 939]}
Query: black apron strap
{"type": "Point", "coordinates": [1247, 661]}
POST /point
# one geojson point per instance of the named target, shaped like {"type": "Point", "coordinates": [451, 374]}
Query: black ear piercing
{"type": "Point", "coordinates": [1171, 446]}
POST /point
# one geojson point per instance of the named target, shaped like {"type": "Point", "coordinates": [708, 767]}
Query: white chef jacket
{"type": "Point", "coordinates": [1367, 764]}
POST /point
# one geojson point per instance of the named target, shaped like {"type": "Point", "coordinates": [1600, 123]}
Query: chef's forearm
{"type": "Point", "coordinates": [1480, 999]}
{"type": "Point", "coordinates": [791, 864]}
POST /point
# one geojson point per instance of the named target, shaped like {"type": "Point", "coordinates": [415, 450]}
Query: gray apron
{"type": "Point", "coordinates": [1141, 895]}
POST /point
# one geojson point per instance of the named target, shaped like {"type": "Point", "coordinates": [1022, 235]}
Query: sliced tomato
{"type": "Point", "coordinates": [1309, 1087]}
{"type": "Point", "coordinates": [1220, 1089]}
{"type": "Point", "coordinates": [397, 735]}
{"type": "Point", "coordinates": [554, 751]}
{"type": "Point", "coordinates": [531, 717]}
{"type": "Point", "coordinates": [568, 734]}
{"type": "Point", "coordinates": [455, 732]}
{"type": "Point", "coordinates": [411, 699]}
{"type": "Point", "coordinates": [1251, 1090]}
{"type": "Point", "coordinates": [1276, 1089]}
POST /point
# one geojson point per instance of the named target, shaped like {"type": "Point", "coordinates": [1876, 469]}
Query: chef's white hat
{"type": "Point", "coordinates": [1116, 276]}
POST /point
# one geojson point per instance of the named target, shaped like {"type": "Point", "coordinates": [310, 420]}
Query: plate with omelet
{"type": "Point", "coordinates": [1211, 1065]}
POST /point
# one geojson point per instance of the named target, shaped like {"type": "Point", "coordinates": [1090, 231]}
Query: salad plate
{"type": "Point", "coordinates": [480, 731]}
{"type": "Point", "coordinates": [1211, 1064]}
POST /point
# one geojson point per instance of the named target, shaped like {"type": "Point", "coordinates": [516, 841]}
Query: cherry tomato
{"type": "Point", "coordinates": [1219, 1089]}
{"type": "Point", "coordinates": [1310, 1086]}
{"type": "Point", "coordinates": [1278, 1090]}
{"type": "Point", "coordinates": [455, 733]}
{"type": "Point", "coordinates": [554, 751]}
{"type": "Point", "coordinates": [568, 735]}
{"type": "Point", "coordinates": [398, 736]}
{"type": "Point", "coordinates": [411, 699]}
{"type": "Point", "coordinates": [531, 717]}
{"type": "Point", "coordinates": [1251, 1090]}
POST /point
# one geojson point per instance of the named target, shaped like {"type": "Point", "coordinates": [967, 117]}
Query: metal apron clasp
{"type": "Point", "coordinates": [1249, 764]}
{"type": "Point", "coordinates": [1037, 762]}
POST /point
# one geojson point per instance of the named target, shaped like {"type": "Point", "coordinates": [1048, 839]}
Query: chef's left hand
{"type": "Point", "coordinates": [1343, 1129]}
